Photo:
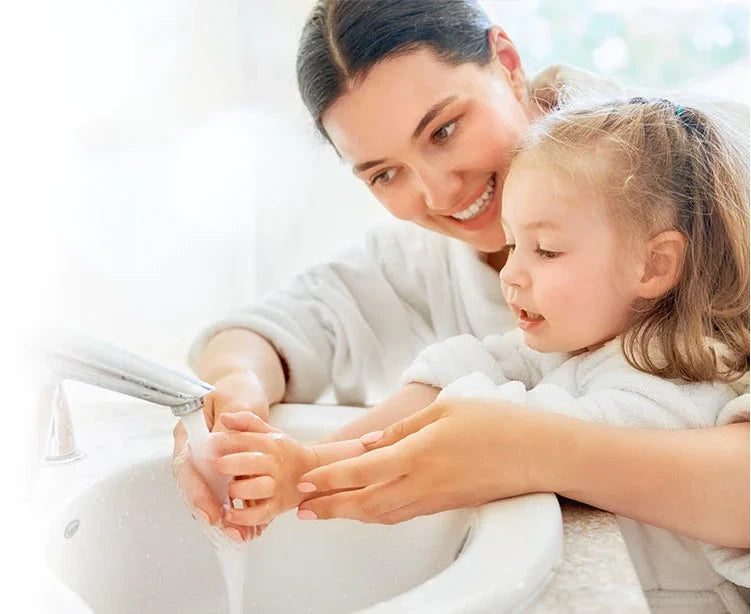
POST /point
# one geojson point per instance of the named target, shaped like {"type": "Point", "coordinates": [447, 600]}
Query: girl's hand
{"type": "Point", "coordinates": [265, 464]}
{"type": "Point", "coordinates": [454, 453]}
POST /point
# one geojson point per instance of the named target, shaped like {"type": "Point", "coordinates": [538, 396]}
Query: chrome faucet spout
{"type": "Point", "coordinates": [78, 357]}
{"type": "Point", "coordinates": [71, 356]}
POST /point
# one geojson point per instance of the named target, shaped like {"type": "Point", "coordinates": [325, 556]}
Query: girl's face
{"type": "Point", "coordinates": [432, 141]}
{"type": "Point", "coordinates": [567, 278]}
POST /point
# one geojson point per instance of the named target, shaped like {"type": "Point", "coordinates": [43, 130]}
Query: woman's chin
{"type": "Point", "coordinates": [488, 243]}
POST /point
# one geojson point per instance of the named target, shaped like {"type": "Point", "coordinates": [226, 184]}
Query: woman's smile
{"type": "Point", "coordinates": [481, 210]}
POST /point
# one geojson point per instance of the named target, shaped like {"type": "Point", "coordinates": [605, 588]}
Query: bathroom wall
{"type": "Point", "coordinates": [190, 179]}
{"type": "Point", "coordinates": [183, 173]}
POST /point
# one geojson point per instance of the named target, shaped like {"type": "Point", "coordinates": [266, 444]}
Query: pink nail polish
{"type": "Point", "coordinates": [306, 487]}
{"type": "Point", "coordinates": [306, 515]}
{"type": "Point", "coordinates": [371, 437]}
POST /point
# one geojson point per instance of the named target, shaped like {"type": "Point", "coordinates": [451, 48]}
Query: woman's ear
{"type": "Point", "coordinates": [663, 264]}
{"type": "Point", "coordinates": [504, 51]}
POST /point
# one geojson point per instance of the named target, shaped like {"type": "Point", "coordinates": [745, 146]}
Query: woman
{"type": "Point", "coordinates": [425, 106]}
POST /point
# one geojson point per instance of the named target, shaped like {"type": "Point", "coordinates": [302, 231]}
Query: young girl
{"type": "Point", "coordinates": [627, 268]}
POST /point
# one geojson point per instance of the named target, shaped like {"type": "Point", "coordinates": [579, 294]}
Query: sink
{"type": "Point", "coordinates": [126, 543]}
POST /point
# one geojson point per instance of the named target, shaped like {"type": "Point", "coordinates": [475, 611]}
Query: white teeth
{"type": "Point", "coordinates": [530, 315]}
{"type": "Point", "coordinates": [479, 205]}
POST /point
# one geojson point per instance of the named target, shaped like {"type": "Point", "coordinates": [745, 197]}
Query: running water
{"type": "Point", "coordinates": [231, 555]}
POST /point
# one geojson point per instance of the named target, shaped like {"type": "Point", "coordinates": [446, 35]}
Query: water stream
{"type": "Point", "coordinates": [231, 555]}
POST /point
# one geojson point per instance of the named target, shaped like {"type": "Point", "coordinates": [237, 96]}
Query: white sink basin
{"type": "Point", "coordinates": [127, 544]}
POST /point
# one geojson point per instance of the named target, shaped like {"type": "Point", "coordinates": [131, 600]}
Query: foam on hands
{"type": "Point", "coordinates": [231, 555]}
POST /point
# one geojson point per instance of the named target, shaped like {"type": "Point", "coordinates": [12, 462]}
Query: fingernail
{"type": "Point", "coordinates": [371, 437]}
{"type": "Point", "coordinates": [306, 515]}
{"type": "Point", "coordinates": [306, 487]}
{"type": "Point", "coordinates": [203, 516]}
{"type": "Point", "coordinates": [234, 534]}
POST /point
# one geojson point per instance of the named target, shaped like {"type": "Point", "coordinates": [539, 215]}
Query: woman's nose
{"type": "Point", "coordinates": [441, 189]}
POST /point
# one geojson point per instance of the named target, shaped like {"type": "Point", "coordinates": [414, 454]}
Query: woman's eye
{"type": "Point", "coordinates": [445, 131]}
{"type": "Point", "coordinates": [383, 177]}
{"type": "Point", "coordinates": [547, 254]}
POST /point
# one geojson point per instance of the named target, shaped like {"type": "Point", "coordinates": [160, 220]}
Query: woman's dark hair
{"type": "Point", "coordinates": [343, 39]}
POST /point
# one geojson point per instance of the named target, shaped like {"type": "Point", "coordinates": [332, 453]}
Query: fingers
{"type": "Point", "coordinates": [419, 507]}
{"type": "Point", "coordinates": [366, 504]}
{"type": "Point", "coordinates": [402, 514]}
{"type": "Point", "coordinates": [261, 487]}
{"type": "Point", "coordinates": [246, 421]}
{"type": "Point", "coordinates": [246, 463]}
{"type": "Point", "coordinates": [327, 453]}
{"type": "Point", "coordinates": [376, 466]}
{"type": "Point", "coordinates": [208, 411]}
{"type": "Point", "coordinates": [262, 512]}
{"type": "Point", "coordinates": [196, 493]}
{"type": "Point", "coordinates": [403, 428]}
{"type": "Point", "coordinates": [229, 442]}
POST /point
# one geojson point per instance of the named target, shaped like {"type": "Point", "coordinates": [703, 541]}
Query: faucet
{"type": "Point", "coordinates": [71, 356]}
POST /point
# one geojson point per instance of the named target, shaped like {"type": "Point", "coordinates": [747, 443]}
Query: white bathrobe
{"type": "Point", "coordinates": [677, 573]}
{"type": "Point", "coordinates": [356, 322]}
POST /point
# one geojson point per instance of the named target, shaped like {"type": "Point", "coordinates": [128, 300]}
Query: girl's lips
{"type": "Point", "coordinates": [525, 322]}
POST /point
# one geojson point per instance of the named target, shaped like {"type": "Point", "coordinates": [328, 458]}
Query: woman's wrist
{"type": "Point", "coordinates": [240, 351]}
{"type": "Point", "coordinates": [553, 447]}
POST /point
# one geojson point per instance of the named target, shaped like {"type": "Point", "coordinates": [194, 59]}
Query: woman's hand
{"type": "Point", "coordinates": [454, 453]}
{"type": "Point", "coordinates": [237, 391]}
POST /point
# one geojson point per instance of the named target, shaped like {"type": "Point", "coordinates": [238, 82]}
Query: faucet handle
{"type": "Point", "coordinates": [61, 444]}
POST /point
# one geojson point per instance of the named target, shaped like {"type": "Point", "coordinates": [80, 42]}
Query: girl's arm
{"type": "Point", "coordinates": [405, 402]}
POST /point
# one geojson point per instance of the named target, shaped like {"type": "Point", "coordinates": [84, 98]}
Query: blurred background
{"type": "Point", "coordinates": [181, 176]}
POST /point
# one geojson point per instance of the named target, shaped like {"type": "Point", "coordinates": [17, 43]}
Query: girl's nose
{"type": "Point", "coordinates": [513, 273]}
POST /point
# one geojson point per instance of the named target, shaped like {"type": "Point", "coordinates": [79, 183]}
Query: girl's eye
{"type": "Point", "coordinates": [546, 254]}
{"type": "Point", "coordinates": [383, 177]}
{"type": "Point", "coordinates": [444, 132]}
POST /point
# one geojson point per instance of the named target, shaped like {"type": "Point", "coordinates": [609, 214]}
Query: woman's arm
{"type": "Point", "coordinates": [241, 351]}
{"type": "Point", "coordinates": [693, 482]}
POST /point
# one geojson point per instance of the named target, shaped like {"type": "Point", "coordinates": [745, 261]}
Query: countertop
{"type": "Point", "coordinates": [595, 574]}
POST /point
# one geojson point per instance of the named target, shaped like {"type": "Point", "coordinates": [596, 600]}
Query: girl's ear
{"type": "Point", "coordinates": [663, 264]}
{"type": "Point", "coordinates": [503, 51]}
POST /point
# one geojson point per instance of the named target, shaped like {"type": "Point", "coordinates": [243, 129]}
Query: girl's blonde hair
{"type": "Point", "coordinates": [662, 166]}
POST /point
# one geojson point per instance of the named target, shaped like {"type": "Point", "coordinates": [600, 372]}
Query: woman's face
{"type": "Point", "coordinates": [432, 141]}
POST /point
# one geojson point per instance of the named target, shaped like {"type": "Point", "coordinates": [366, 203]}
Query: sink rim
{"type": "Point", "coordinates": [434, 594]}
